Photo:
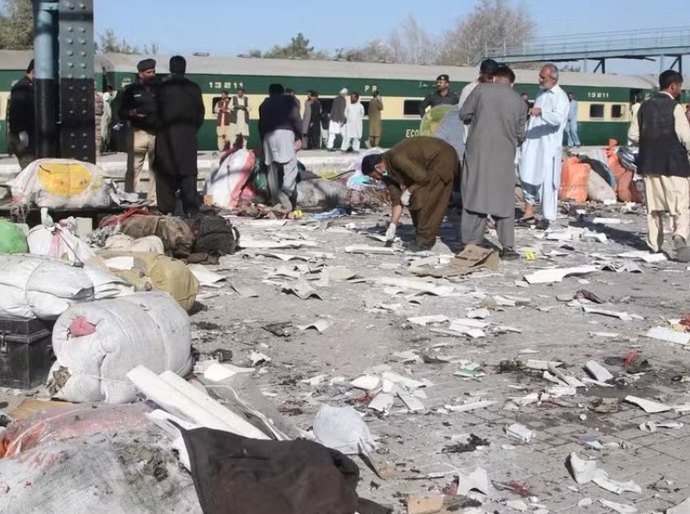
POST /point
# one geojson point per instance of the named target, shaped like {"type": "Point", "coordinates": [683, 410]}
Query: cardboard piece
{"type": "Point", "coordinates": [472, 258]}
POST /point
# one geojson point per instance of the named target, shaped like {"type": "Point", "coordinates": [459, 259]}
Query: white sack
{"type": "Point", "coordinates": [148, 329]}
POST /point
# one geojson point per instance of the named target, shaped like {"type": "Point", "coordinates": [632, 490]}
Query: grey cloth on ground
{"type": "Point", "coordinates": [473, 227]}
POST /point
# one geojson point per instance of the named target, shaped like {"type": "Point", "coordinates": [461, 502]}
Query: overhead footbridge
{"type": "Point", "coordinates": [637, 44]}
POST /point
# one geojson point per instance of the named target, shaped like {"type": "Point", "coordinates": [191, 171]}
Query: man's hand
{"type": "Point", "coordinates": [405, 197]}
{"type": "Point", "coordinates": [535, 111]}
{"type": "Point", "coordinates": [298, 145]}
{"type": "Point", "coordinates": [390, 233]}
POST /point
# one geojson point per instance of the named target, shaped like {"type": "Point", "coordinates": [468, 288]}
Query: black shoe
{"type": "Point", "coordinates": [542, 224]}
{"type": "Point", "coordinates": [508, 254]}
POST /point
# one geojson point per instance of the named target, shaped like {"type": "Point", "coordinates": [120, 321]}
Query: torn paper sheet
{"type": "Point", "coordinates": [301, 289]}
{"type": "Point", "coordinates": [248, 244]}
{"type": "Point", "coordinates": [370, 250]}
{"type": "Point", "coordinates": [669, 335]}
{"type": "Point", "coordinates": [478, 480]}
{"type": "Point", "coordinates": [382, 403]}
{"type": "Point", "coordinates": [320, 325]}
{"type": "Point", "coordinates": [467, 407]}
{"type": "Point", "coordinates": [547, 276]}
{"type": "Point", "coordinates": [598, 372]}
{"type": "Point", "coordinates": [218, 372]}
{"type": "Point", "coordinates": [205, 276]}
{"type": "Point", "coordinates": [425, 320]}
{"type": "Point", "coordinates": [285, 257]}
{"type": "Point", "coordinates": [641, 255]}
{"type": "Point", "coordinates": [366, 382]}
{"type": "Point", "coordinates": [618, 507]}
{"type": "Point", "coordinates": [417, 285]}
{"type": "Point", "coordinates": [412, 403]}
{"type": "Point", "coordinates": [244, 291]}
{"type": "Point", "coordinates": [585, 471]}
{"type": "Point", "coordinates": [651, 426]}
{"type": "Point", "coordinates": [624, 316]}
{"type": "Point", "coordinates": [649, 406]}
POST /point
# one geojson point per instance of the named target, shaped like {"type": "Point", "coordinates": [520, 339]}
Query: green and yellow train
{"type": "Point", "coordinates": [604, 100]}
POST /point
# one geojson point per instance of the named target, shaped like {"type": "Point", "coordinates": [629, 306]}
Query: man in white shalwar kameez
{"type": "Point", "coordinates": [540, 159]}
{"type": "Point", "coordinates": [352, 131]}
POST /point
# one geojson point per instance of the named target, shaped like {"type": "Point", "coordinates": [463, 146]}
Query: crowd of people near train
{"type": "Point", "coordinates": [490, 133]}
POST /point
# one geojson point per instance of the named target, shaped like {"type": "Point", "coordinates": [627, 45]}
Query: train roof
{"type": "Point", "coordinates": [212, 65]}
{"type": "Point", "coordinates": [335, 69]}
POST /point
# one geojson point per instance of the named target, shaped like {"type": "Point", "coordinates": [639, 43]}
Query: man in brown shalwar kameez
{"type": "Point", "coordinates": [419, 173]}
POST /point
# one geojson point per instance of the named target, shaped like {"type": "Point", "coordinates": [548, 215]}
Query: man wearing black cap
{"type": "Point", "coordinates": [138, 107]}
{"type": "Point", "coordinates": [180, 115]}
{"type": "Point", "coordinates": [487, 70]}
{"type": "Point", "coordinates": [443, 95]}
{"type": "Point", "coordinates": [21, 118]}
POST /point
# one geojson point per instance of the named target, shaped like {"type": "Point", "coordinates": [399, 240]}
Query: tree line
{"type": "Point", "coordinates": [491, 24]}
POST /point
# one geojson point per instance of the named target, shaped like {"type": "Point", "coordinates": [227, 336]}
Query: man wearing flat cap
{"type": "Point", "coordinates": [180, 115]}
{"type": "Point", "coordinates": [138, 107]}
{"type": "Point", "coordinates": [443, 95]}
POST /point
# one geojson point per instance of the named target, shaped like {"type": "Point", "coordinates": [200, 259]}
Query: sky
{"type": "Point", "coordinates": [227, 27]}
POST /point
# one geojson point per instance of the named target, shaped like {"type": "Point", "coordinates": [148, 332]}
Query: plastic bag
{"type": "Point", "coordinates": [148, 329]}
{"type": "Point", "coordinates": [342, 429]}
{"type": "Point", "coordinates": [58, 242]}
{"type": "Point", "coordinates": [12, 238]}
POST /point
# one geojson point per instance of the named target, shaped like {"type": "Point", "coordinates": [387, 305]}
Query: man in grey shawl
{"type": "Point", "coordinates": [280, 128]}
{"type": "Point", "coordinates": [497, 115]}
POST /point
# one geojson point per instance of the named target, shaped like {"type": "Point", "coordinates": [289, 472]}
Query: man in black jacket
{"type": "Point", "coordinates": [663, 133]}
{"type": "Point", "coordinates": [280, 129]}
{"type": "Point", "coordinates": [138, 107]}
{"type": "Point", "coordinates": [180, 115]}
{"type": "Point", "coordinates": [21, 118]}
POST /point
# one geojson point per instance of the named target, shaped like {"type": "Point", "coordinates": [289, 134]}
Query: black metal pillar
{"type": "Point", "coordinates": [77, 117]}
{"type": "Point", "coordinates": [46, 80]}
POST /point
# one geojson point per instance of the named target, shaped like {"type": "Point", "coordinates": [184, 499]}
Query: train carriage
{"type": "Point", "coordinates": [604, 100]}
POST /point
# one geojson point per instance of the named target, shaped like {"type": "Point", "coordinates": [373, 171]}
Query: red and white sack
{"type": "Point", "coordinates": [98, 343]}
{"type": "Point", "coordinates": [226, 183]}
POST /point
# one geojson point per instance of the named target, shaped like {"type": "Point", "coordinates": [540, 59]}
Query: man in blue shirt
{"type": "Point", "coordinates": [571, 127]}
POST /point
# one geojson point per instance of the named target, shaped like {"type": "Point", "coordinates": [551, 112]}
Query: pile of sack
{"type": "Point", "coordinates": [598, 176]}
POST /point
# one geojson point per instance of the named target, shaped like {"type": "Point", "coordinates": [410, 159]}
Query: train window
{"type": "Point", "coordinates": [617, 111]}
{"type": "Point", "coordinates": [411, 107]}
{"type": "Point", "coordinates": [596, 111]}
{"type": "Point", "coordinates": [214, 101]}
{"type": "Point", "coordinates": [365, 104]}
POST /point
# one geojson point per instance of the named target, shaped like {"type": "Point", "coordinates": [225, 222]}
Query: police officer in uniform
{"type": "Point", "coordinates": [443, 95]}
{"type": "Point", "coordinates": [138, 108]}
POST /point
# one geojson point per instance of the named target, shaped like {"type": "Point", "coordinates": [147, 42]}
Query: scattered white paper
{"type": "Point", "coordinates": [618, 507]}
{"type": "Point", "coordinates": [669, 335]}
{"type": "Point", "coordinates": [547, 276]}
{"type": "Point", "coordinates": [520, 431]}
{"type": "Point", "coordinates": [649, 406]}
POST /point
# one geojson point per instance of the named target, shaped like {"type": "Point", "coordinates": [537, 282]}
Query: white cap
{"type": "Point", "coordinates": [343, 91]}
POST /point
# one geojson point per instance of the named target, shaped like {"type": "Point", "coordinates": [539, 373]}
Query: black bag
{"type": "Point", "coordinates": [233, 475]}
{"type": "Point", "coordinates": [215, 236]}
